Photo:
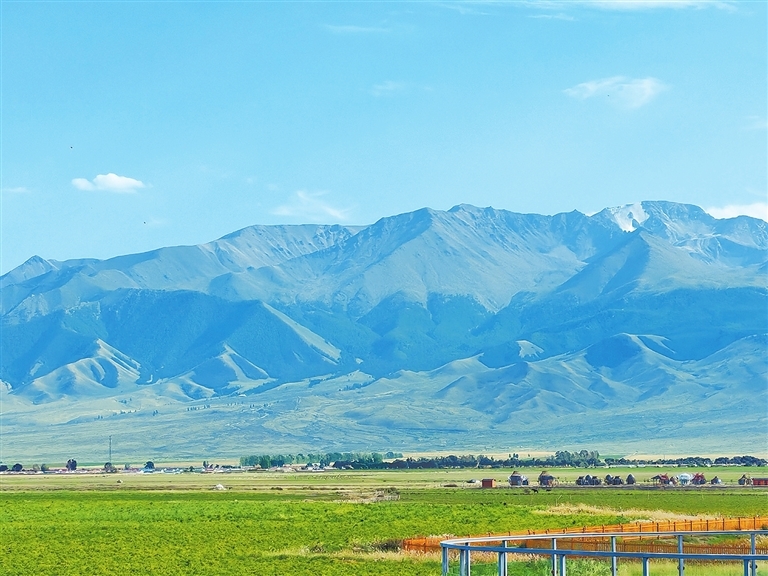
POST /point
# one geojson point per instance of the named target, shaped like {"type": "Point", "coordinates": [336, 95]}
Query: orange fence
{"type": "Point", "coordinates": [604, 545]}
{"type": "Point", "coordinates": [432, 543]}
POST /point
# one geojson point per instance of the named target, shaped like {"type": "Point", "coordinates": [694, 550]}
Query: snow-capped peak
{"type": "Point", "coordinates": [629, 217]}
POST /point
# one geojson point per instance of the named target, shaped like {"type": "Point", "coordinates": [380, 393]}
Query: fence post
{"type": "Point", "coordinates": [753, 550]}
{"type": "Point", "coordinates": [614, 567]}
{"type": "Point", "coordinates": [746, 567]}
{"type": "Point", "coordinates": [562, 564]}
{"type": "Point", "coordinates": [445, 561]}
{"type": "Point", "coordinates": [464, 562]}
{"type": "Point", "coordinates": [646, 569]}
{"type": "Point", "coordinates": [681, 560]}
{"type": "Point", "coordinates": [554, 557]}
{"type": "Point", "coordinates": [503, 560]}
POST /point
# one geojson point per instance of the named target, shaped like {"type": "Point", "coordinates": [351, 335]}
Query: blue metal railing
{"type": "Point", "coordinates": [559, 550]}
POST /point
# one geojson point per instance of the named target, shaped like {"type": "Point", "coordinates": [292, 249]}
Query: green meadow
{"type": "Point", "coordinates": [346, 523]}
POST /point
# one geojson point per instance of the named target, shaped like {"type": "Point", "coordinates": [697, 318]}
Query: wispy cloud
{"type": "Point", "coordinates": [756, 210]}
{"type": "Point", "coordinates": [109, 183]}
{"type": "Point", "coordinates": [558, 16]}
{"type": "Point", "coordinates": [155, 222]}
{"type": "Point", "coordinates": [654, 4]}
{"type": "Point", "coordinates": [756, 123]}
{"type": "Point", "coordinates": [388, 88]}
{"type": "Point", "coordinates": [352, 29]}
{"type": "Point", "coordinates": [627, 4]}
{"type": "Point", "coordinates": [311, 206]}
{"type": "Point", "coordinates": [465, 7]}
{"type": "Point", "coordinates": [622, 91]}
{"type": "Point", "coordinates": [17, 190]}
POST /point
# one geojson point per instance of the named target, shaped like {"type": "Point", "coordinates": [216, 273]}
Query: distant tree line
{"type": "Point", "coordinates": [562, 458]}
{"type": "Point", "coordinates": [324, 459]}
{"type": "Point", "coordinates": [394, 460]}
{"type": "Point", "coordinates": [581, 459]}
{"type": "Point", "coordinates": [693, 461]}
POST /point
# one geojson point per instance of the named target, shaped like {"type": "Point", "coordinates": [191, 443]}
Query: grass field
{"type": "Point", "coordinates": [336, 523]}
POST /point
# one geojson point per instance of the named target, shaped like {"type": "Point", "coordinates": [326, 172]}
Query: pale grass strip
{"type": "Point", "coordinates": [635, 514]}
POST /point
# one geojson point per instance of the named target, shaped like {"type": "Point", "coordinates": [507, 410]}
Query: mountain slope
{"type": "Point", "coordinates": [420, 327]}
{"type": "Point", "coordinates": [45, 286]}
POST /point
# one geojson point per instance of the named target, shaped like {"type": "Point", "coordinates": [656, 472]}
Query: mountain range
{"type": "Point", "coordinates": [643, 327]}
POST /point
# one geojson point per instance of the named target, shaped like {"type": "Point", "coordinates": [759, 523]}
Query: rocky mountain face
{"type": "Point", "coordinates": [423, 330]}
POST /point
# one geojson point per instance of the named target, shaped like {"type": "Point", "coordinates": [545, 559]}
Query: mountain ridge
{"type": "Point", "coordinates": [542, 316]}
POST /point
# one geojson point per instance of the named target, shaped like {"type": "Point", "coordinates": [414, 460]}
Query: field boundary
{"type": "Point", "coordinates": [560, 547]}
{"type": "Point", "coordinates": [432, 543]}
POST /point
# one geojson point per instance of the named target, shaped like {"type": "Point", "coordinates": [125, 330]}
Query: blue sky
{"type": "Point", "coordinates": [127, 126]}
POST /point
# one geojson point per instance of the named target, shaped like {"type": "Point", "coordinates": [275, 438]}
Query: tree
{"type": "Point", "coordinates": [44, 467]}
{"type": "Point", "coordinates": [71, 464]}
{"type": "Point", "coordinates": [149, 465]}
{"type": "Point", "coordinates": [108, 467]}
{"type": "Point", "coordinates": [17, 467]}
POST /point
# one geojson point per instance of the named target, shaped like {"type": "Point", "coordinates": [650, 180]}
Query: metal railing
{"type": "Point", "coordinates": [563, 546]}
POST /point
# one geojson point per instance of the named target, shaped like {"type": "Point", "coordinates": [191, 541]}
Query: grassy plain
{"type": "Point", "coordinates": [300, 524]}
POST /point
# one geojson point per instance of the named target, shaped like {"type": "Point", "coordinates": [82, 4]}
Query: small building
{"type": "Point", "coordinates": [759, 481]}
{"type": "Point", "coordinates": [488, 483]}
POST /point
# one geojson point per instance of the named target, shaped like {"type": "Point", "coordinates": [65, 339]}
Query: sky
{"type": "Point", "coordinates": [127, 126]}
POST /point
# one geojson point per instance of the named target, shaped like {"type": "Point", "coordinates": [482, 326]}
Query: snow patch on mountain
{"type": "Point", "coordinates": [528, 349]}
{"type": "Point", "coordinates": [629, 217]}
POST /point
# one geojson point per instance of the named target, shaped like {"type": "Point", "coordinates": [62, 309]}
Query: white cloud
{"type": "Point", "coordinates": [83, 184]}
{"type": "Point", "coordinates": [387, 88]}
{"type": "Point", "coordinates": [622, 91]}
{"type": "Point", "coordinates": [310, 206]}
{"type": "Point", "coordinates": [16, 190]}
{"type": "Point", "coordinates": [756, 210]}
{"type": "Point", "coordinates": [109, 183]}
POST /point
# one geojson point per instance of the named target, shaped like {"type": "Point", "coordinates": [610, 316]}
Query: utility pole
{"type": "Point", "coordinates": [110, 448]}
